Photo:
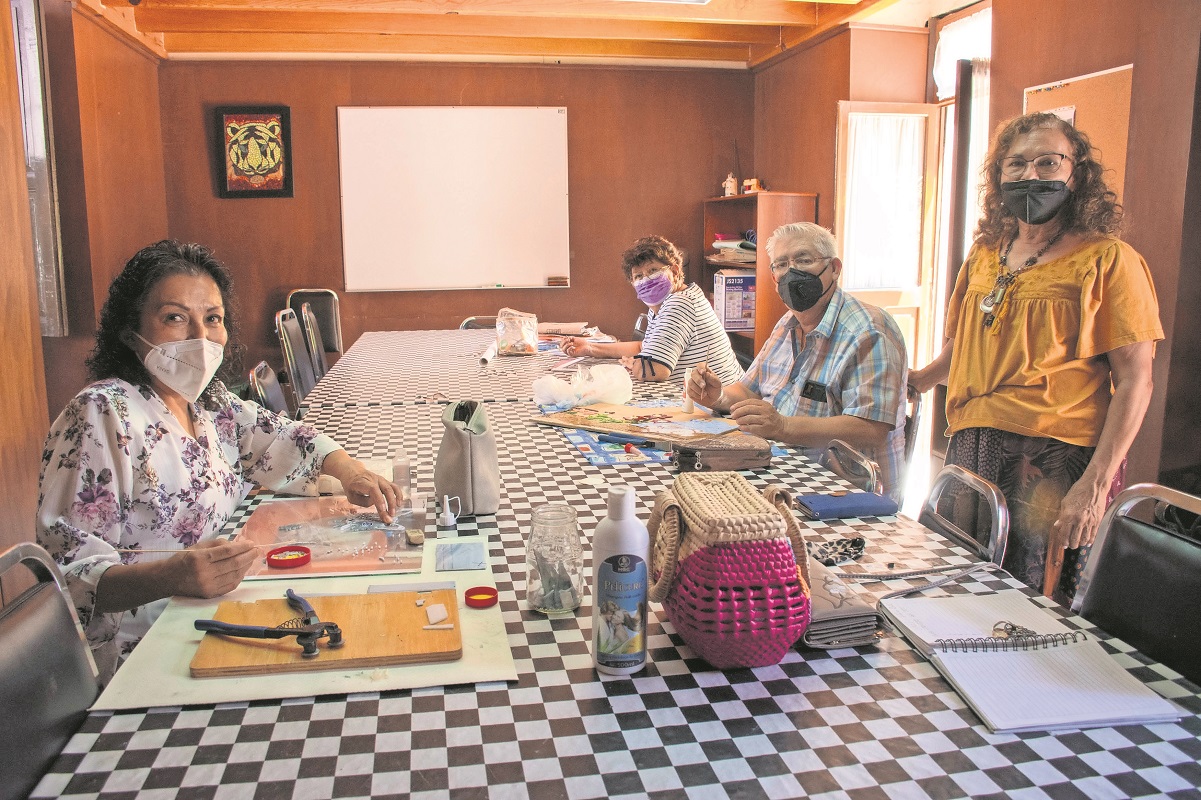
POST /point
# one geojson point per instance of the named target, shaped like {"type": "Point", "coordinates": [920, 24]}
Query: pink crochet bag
{"type": "Point", "coordinates": [729, 565]}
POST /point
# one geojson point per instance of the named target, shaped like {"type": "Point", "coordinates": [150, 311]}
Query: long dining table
{"type": "Point", "coordinates": [867, 722]}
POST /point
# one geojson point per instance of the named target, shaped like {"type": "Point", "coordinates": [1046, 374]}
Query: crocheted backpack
{"type": "Point", "coordinates": [729, 565]}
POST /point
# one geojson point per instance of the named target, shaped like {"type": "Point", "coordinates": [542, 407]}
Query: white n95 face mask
{"type": "Point", "coordinates": [186, 366]}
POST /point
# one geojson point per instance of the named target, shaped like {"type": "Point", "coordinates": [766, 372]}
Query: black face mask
{"type": "Point", "coordinates": [801, 291]}
{"type": "Point", "coordinates": [1034, 201]}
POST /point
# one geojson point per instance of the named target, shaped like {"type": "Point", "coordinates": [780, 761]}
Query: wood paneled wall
{"type": "Point", "coordinates": [1161, 40]}
{"type": "Point", "coordinates": [22, 391]}
{"type": "Point", "coordinates": [646, 146]}
{"type": "Point", "coordinates": [796, 103]}
{"type": "Point", "coordinates": [109, 156]}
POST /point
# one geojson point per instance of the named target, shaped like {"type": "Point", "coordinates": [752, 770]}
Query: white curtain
{"type": "Point", "coordinates": [881, 240]}
{"type": "Point", "coordinates": [968, 38]}
{"type": "Point", "coordinates": [978, 146]}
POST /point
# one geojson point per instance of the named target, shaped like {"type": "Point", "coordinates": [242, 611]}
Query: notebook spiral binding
{"type": "Point", "coordinates": [990, 644]}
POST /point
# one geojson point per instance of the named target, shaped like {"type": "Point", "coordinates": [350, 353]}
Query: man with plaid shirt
{"type": "Point", "coordinates": [833, 367]}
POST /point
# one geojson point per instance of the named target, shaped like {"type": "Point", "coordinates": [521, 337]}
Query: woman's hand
{"type": "Point", "coordinates": [362, 486]}
{"type": "Point", "coordinates": [573, 346]}
{"type": "Point", "coordinates": [1080, 514]}
{"type": "Point", "coordinates": [369, 489]}
{"type": "Point", "coordinates": [758, 417]}
{"type": "Point", "coordinates": [212, 568]}
{"type": "Point", "coordinates": [704, 386]}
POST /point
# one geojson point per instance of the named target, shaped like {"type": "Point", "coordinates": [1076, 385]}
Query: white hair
{"type": "Point", "coordinates": [811, 233]}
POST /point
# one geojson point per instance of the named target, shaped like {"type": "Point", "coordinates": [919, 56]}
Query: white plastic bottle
{"type": "Point", "coordinates": [620, 565]}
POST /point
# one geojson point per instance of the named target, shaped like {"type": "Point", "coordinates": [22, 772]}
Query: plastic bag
{"type": "Point", "coordinates": [516, 333]}
{"type": "Point", "coordinates": [602, 383]}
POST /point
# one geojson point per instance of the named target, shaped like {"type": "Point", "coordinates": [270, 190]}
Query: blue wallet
{"type": "Point", "coordinates": [840, 506]}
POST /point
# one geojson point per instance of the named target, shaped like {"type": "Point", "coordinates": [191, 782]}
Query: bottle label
{"type": "Point", "coordinates": [619, 638]}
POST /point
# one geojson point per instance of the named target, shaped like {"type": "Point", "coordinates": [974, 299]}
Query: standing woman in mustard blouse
{"type": "Point", "coordinates": [1051, 328]}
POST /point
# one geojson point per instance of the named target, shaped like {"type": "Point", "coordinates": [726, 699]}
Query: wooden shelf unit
{"type": "Point", "coordinates": [761, 212]}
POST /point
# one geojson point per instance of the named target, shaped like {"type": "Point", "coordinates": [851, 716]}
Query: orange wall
{"type": "Point", "coordinates": [646, 146]}
{"type": "Point", "coordinates": [1161, 39]}
{"type": "Point", "coordinates": [22, 391]}
{"type": "Point", "coordinates": [796, 103]}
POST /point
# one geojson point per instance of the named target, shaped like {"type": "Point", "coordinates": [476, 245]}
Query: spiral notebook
{"type": "Point", "coordinates": [1057, 679]}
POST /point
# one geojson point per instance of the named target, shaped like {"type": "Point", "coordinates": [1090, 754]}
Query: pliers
{"type": "Point", "coordinates": [307, 628]}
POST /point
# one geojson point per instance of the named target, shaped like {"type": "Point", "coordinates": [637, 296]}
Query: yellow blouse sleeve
{"type": "Point", "coordinates": [955, 304]}
{"type": "Point", "coordinates": [1117, 302]}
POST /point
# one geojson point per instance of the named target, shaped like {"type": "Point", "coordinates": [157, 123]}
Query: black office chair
{"type": "Point", "coordinates": [312, 337]}
{"type": "Point", "coordinates": [265, 389]}
{"type": "Point", "coordinates": [325, 310]}
{"type": "Point", "coordinates": [48, 679]}
{"type": "Point", "coordinates": [1142, 582]}
{"type": "Point", "coordinates": [478, 324]}
{"type": "Point", "coordinates": [990, 532]}
{"type": "Point", "coordinates": [297, 363]}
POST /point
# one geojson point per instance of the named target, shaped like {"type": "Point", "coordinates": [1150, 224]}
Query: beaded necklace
{"type": "Point", "coordinates": [991, 302]}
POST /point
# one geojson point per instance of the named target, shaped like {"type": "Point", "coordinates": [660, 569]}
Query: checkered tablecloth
{"type": "Point", "coordinates": [865, 723]}
{"type": "Point", "coordinates": [412, 367]}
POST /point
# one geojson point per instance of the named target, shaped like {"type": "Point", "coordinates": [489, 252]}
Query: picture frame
{"type": "Point", "coordinates": [254, 151]}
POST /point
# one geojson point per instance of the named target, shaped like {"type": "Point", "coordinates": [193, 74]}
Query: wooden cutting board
{"type": "Point", "coordinates": [379, 630]}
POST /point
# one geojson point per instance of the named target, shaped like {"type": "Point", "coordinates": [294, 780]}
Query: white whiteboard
{"type": "Point", "coordinates": [453, 197]}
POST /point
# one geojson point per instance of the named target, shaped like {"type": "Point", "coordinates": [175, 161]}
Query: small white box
{"type": "Point", "coordinates": [734, 298]}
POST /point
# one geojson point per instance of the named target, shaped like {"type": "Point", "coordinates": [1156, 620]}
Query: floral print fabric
{"type": "Point", "coordinates": [1033, 473]}
{"type": "Point", "coordinates": [120, 471]}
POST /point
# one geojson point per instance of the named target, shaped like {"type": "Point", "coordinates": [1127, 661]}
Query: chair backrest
{"type": "Point", "coordinates": [1142, 582]}
{"type": "Point", "coordinates": [312, 337]}
{"type": "Point", "coordinates": [48, 679]}
{"type": "Point", "coordinates": [478, 324]}
{"type": "Point", "coordinates": [266, 390]}
{"type": "Point", "coordinates": [640, 327]}
{"type": "Point", "coordinates": [957, 479]}
{"type": "Point", "coordinates": [297, 362]}
{"type": "Point", "coordinates": [327, 312]}
{"type": "Point", "coordinates": [912, 421]}
{"type": "Point", "coordinates": [852, 465]}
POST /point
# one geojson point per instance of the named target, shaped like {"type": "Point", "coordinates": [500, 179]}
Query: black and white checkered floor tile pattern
{"type": "Point", "coordinates": [866, 723]}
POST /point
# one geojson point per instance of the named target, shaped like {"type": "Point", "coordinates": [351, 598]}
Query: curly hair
{"type": "Point", "coordinates": [122, 312]}
{"type": "Point", "coordinates": [1091, 208]}
{"type": "Point", "coordinates": [653, 248]}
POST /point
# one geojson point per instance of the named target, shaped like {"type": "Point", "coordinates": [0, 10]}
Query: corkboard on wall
{"type": "Point", "coordinates": [1101, 105]}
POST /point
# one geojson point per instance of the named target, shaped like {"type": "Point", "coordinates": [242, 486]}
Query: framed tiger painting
{"type": "Point", "coordinates": [254, 151]}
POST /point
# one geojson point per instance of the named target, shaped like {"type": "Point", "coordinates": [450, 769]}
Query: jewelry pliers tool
{"type": "Point", "coordinates": [307, 629]}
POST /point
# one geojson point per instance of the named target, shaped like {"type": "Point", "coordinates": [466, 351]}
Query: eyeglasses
{"type": "Point", "coordinates": [801, 262]}
{"type": "Point", "coordinates": [1045, 165]}
{"type": "Point", "coordinates": [646, 276]}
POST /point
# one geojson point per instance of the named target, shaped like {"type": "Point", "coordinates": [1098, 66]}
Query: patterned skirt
{"type": "Point", "coordinates": [1033, 473]}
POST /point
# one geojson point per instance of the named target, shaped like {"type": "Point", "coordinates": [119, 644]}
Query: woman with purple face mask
{"type": "Point", "coordinates": [682, 329]}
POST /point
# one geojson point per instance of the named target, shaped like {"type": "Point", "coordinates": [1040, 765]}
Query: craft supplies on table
{"type": "Point", "coordinates": [378, 630]}
{"type": "Point", "coordinates": [341, 538]}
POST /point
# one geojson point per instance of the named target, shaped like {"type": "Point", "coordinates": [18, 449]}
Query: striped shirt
{"type": "Point", "coordinates": [686, 332]}
{"type": "Point", "coordinates": [854, 361]}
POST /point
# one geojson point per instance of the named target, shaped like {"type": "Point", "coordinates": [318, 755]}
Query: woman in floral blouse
{"type": "Point", "coordinates": [156, 453]}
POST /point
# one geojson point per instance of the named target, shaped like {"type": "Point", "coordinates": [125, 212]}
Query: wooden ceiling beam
{"type": "Point", "coordinates": [830, 16]}
{"type": "Point", "coordinates": [736, 12]}
{"type": "Point", "coordinates": [262, 21]}
{"type": "Point", "coordinates": [306, 43]}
